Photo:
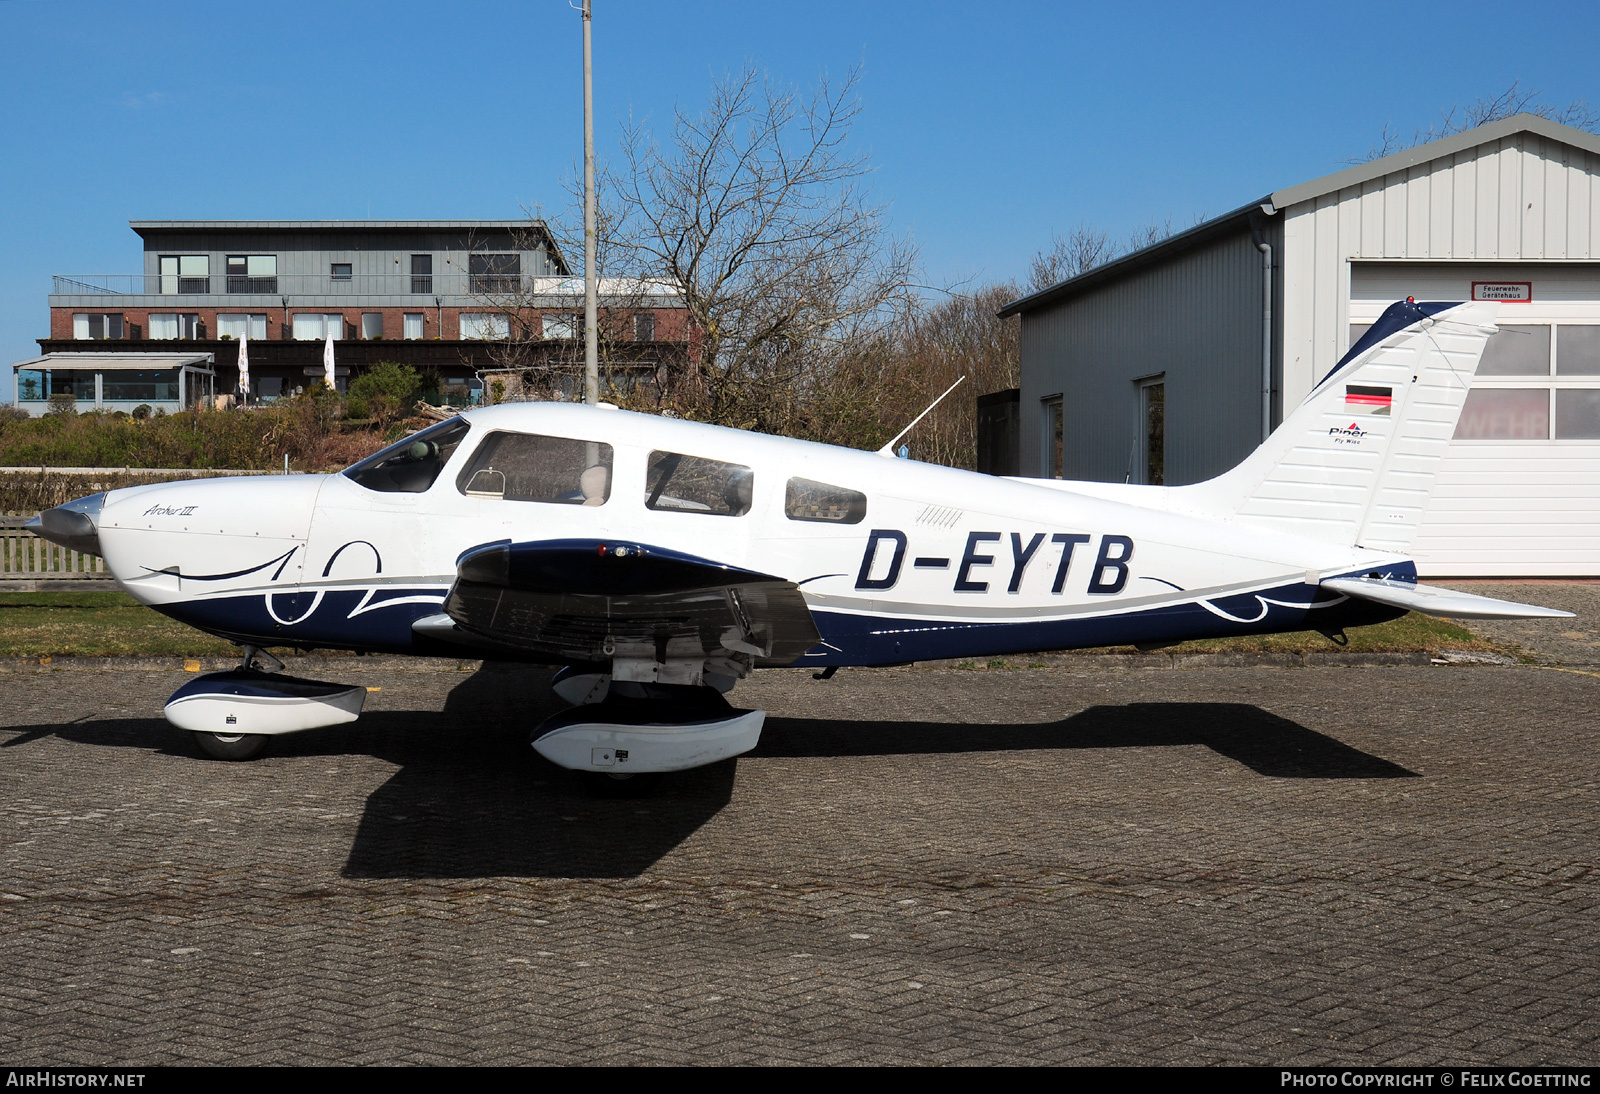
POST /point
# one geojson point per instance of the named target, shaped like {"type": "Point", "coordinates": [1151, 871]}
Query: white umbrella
{"type": "Point", "coordinates": [327, 360]}
{"type": "Point", "coordinates": [244, 364]}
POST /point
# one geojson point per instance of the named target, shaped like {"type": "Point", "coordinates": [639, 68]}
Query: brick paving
{"type": "Point", "coordinates": [1552, 641]}
{"type": "Point", "coordinates": [1062, 865]}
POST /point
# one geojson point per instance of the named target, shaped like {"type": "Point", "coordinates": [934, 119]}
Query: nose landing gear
{"type": "Point", "coordinates": [232, 714]}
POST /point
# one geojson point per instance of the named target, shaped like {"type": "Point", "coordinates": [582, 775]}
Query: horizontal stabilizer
{"type": "Point", "coordinates": [1432, 601]}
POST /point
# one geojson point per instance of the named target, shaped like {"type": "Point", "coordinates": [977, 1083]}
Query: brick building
{"type": "Point", "coordinates": [456, 298]}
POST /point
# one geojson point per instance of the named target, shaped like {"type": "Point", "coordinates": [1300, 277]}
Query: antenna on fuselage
{"type": "Point", "coordinates": [888, 449]}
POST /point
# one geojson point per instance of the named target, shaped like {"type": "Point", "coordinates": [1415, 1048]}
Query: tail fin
{"type": "Point", "coordinates": [1355, 462]}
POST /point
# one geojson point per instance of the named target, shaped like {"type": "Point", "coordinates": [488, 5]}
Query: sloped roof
{"type": "Point", "coordinates": [142, 226]}
{"type": "Point", "coordinates": [111, 361]}
{"type": "Point", "coordinates": [1445, 146]}
{"type": "Point", "coordinates": [1278, 200]}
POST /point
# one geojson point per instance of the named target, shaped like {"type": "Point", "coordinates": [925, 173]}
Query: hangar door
{"type": "Point", "coordinates": [1518, 494]}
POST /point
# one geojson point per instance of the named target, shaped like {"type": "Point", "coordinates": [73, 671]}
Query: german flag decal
{"type": "Point", "coordinates": [1359, 399]}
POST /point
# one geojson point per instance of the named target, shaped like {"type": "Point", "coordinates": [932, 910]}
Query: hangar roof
{"type": "Point", "coordinates": [1240, 218]}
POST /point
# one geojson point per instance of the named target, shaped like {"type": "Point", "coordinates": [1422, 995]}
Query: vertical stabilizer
{"type": "Point", "coordinates": [1355, 462]}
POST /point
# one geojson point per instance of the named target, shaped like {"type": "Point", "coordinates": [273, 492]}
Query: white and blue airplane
{"type": "Point", "coordinates": [661, 561]}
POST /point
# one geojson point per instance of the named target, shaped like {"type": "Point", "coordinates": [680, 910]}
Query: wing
{"type": "Point", "coordinates": [584, 601]}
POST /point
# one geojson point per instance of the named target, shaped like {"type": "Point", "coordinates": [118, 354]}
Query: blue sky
{"type": "Point", "coordinates": [992, 125]}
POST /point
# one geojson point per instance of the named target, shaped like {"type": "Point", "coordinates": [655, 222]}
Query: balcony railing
{"type": "Point", "coordinates": [421, 288]}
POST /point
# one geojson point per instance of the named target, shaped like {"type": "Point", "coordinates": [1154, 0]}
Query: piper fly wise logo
{"type": "Point", "coordinates": [1347, 434]}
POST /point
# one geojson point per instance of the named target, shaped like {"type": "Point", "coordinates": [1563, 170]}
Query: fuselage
{"type": "Point", "coordinates": [898, 560]}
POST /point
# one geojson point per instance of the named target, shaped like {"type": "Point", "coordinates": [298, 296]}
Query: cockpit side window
{"type": "Point", "coordinates": [817, 501]}
{"type": "Point", "coordinates": [410, 466]}
{"type": "Point", "coordinates": [692, 484]}
{"type": "Point", "coordinates": [532, 467]}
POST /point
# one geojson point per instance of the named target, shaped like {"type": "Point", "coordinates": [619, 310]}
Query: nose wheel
{"type": "Point", "coordinates": [231, 746]}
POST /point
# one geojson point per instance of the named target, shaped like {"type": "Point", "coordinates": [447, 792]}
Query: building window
{"type": "Point", "coordinates": [414, 322]}
{"type": "Point", "coordinates": [1517, 351]}
{"type": "Point", "coordinates": [43, 385]}
{"type": "Point", "coordinates": [1535, 354]}
{"type": "Point", "coordinates": [1505, 414]}
{"type": "Point", "coordinates": [421, 273]}
{"type": "Point", "coordinates": [564, 325]}
{"type": "Point", "coordinates": [484, 326]}
{"type": "Point", "coordinates": [1578, 350]}
{"type": "Point", "coordinates": [96, 326]}
{"type": "Point", "coordinates": [140, 386]}
{"type": "Point", "coordinates": [494, 272]}
{"type": "Point", "coordinates": [341, 271]}
{"type": "Point", "coordinates": [644, 327]}
{"type": "Point", "coordinates": [1153, 431]}
{"type": "Point", "coordinates": [371, 324]}
{"type": "Point", "coordinates": [1577, 414]}
{"type": "Point", "coordinates": [238, 326]}
{"type": "Point", "coordinates": [1053, 449]}
{"type": "Point", "coordinates": [185, 274]}
{"type": "Point", "coordinates": [253, 273]}
{"type": "Point", "coordinates": [313, 327]}
{"type": "Point", "coordinates": [182, 325]}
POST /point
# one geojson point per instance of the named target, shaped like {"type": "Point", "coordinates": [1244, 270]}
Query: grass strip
{"type": "Point", "coordinates": [110, 624]}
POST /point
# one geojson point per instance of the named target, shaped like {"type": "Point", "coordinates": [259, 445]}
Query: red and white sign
{"type": "Point", "coordinates": [1516, 292]}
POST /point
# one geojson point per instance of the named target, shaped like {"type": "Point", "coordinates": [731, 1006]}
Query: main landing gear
{"type": "Point", "coordinates": [629, 729]}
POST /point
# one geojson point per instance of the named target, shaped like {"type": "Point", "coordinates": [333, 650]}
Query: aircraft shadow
{"type": "Point", "coordinates": [471, 799]}
{"type": "Point", "coordinates": [1265, 743]}
{"type": "Point", "coordinates": [477, 801]}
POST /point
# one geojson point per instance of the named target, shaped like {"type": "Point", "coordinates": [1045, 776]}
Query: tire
{"type": "Point", "coordinates": [599, 784]}
{"type": "Point", "coordinates": [231, 746]}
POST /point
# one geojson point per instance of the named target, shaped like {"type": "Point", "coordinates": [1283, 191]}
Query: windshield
{"type": "Point", "coordinates": [410, 466]}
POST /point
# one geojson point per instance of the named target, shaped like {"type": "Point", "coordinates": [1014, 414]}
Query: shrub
{"type": "Point", "coordinates": [305, 428]}
{"type": "Point", "coordinates": [384, 392]}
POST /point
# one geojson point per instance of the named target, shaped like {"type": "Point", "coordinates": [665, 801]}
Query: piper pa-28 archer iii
{"type": "Point", "coordinates": [661, 561]}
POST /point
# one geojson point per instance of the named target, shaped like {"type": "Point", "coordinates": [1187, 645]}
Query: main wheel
{"type": "Point", "coordinates": [231, 746]}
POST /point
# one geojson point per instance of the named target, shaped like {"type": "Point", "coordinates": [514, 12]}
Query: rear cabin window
{"type": "Point", "coordinates": [532, 467]}
{"type": "Point", "coordinates": [817, 501]}
{"type": "Point", "coordinates": [691, 484]}
{"type": "Point", "coordinates": [410, 466]}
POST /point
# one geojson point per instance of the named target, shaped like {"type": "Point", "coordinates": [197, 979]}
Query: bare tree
{"type": "Point", "coordinates": [540, 355]}
{"type": "Point", "coordinates": [755, 214]}
{"type": "Point", "coordinates": [1084, 248]}
{"type": "Point", "coordinates": [887, 379]}
{"type": "Point", "coordinates": [1151, 234]}
{"type": "Point", "coordinates": [1508, 103]}
{"type": "Point", "coordinates": [1077, 252]}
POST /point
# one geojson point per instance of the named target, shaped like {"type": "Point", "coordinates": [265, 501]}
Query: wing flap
{"type": "Point", "coordinates": [587, 601]}
{"type": "Point", "coordinates": [1435, 601]}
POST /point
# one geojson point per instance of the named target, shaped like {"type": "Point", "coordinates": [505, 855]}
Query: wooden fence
{"type": "Point", "coordinates": [28, 563]}
{"type": "Point", "coordinates": [24, 557]}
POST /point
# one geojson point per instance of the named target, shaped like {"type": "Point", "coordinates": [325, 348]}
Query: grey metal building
{"type": "Point", "coordinates": [1171, 364]}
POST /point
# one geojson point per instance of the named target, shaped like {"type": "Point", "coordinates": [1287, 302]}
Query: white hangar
{"type": "Point", "coordinates": [1171, 363]}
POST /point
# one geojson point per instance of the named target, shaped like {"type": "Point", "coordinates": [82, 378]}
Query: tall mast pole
{"type": "Point", "coordinates": [591, 286]}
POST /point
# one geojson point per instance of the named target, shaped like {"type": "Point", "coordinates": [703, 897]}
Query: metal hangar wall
{"type": "Point", "coordinates": [1167, 364]}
